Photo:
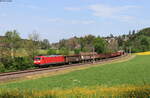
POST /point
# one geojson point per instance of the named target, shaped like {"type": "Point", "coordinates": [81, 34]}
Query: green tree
{"type": "Point", "coordinates": [45, 44]}
{"type": "Point", "coordinates": [145, 31]}
{"type": "Point", "coordinates": [64, 51]}
{"type": "Point", "coordinates": [86, 43]}
{"type": "Point", "coordinates": [140, 43]}
{"type": "Point", "coordinates": [62, 44]}
{"type": "Point", "coordinates": [13, 41]}
{"type": "Point", "coordinates": [145, 43]}
{"type": "Point", "coordinates": [100, 45]}
{"type": "Point", "coordinates": [32, 45]}
{"type": "Point", "coordinates": [3, 47]}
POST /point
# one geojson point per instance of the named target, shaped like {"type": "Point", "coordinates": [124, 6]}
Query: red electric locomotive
{"type": "Point", "coordinates": [47, 60]}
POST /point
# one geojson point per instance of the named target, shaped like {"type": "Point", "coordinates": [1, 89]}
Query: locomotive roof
{"type": "Point", "coordinates": [49, 56]}
{"type": "Point", "coordinates": [52, 55]}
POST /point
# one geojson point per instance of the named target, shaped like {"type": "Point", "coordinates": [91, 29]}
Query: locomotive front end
{"type": "Point", "coordinates": [37, 60]}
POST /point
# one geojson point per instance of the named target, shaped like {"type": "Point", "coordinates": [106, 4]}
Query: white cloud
{"type": "Point", "coordinates": [120, 13]}
{"type": "Point", "coordinates": [103, 10]}
{"type": "Point", "coordinates": [115, 12]}
{"type": "Point", "coordinates": [73, 8]}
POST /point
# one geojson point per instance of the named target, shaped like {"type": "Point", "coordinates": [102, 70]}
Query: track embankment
{"type": "Point", "coordinates": [44, 72]}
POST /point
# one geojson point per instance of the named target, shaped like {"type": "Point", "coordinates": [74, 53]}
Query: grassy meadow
{"type": "Point", "coordinates": [132, 76]}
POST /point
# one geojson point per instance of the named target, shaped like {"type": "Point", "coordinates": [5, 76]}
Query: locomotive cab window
{"type": "Point", "coordinates": [38, 58]}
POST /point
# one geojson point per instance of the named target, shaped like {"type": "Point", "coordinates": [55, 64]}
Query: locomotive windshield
{"type": "Point", "coordinates": [37, 58]}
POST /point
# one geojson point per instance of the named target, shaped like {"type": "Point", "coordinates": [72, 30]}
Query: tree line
{"type": "Point", "coordinates": [135, 41]}
{"type": "Point", "coordinates": [88, 43]}
{"type": "Point", "coordinates": [11, 44]}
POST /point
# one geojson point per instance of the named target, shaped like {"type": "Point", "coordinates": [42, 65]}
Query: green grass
{"type": "Point", "coordinates": [44, 52]}
{"type": "Point", "coordinates": [133, 72]}
{"type": "Point", "coordinates": [21, 52]}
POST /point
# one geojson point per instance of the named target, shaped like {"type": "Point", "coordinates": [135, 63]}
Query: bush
{"type": "Point", "coordinates": [2, 67]}
{"type": "Point", "coordinates": [77, 51]}
{"type": "Point", "coordinates": [16, 63]}
{"type": "Point", "coordinates": [22, 63]}
{"type": "Point", "coordinates": [8, 63]}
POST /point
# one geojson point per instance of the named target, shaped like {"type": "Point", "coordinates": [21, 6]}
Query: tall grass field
{"type": "Point", "coordinates": [130, 78]}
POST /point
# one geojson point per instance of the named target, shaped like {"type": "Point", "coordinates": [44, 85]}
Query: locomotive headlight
{"type": "Point", "coordinates": [34, 61]}
{"type": "Point", "coordinates": [37, 61]}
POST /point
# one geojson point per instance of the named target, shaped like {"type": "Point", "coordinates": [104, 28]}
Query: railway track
{"type": "Point", "coordinates": [19, 74]}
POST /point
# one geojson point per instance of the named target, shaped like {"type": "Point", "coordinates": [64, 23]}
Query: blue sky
{"type": "Point", "coordinates": [58, 19]}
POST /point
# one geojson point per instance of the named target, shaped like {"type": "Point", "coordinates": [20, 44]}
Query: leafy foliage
{"type": "Point", "coordinates": [10, 44]}
{"type": "Point", "coordinates": [136, 41]}
{"type": "Point", "coordinates": [51, 51]}
{"type": "Point", "coordinates": [13, 41]}
{"type": "Point", "coordinates": [64, 51]}
{"type": "Point", "coordinates": [2, 67]}
{"type": "Point", "coordinates": [32, 45]}
{"type": "Point", "coordinates": [45, 44]}
{"type": "Point", "coordinates": [145, 32]}
{"type": "Point", "coordinates": [100, 45]}
{"type": "Point", "coordinates": [77, 51]}
{"type": "Point", "coordinates": [17, 63]}
{"type": "Point", "coordinates": [22, 63]}
{"type": "Point", "coordinates": [81, 44]}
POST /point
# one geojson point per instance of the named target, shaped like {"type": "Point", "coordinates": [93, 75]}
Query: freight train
{"type": "Point", "coordinates": [42, 61]}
